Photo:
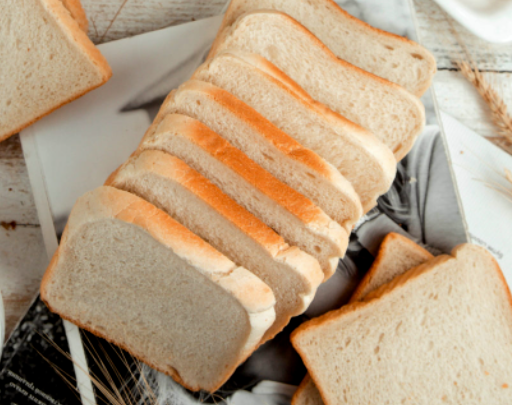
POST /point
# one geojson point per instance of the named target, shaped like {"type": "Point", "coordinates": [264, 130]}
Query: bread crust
{"type": "Point", "coordinates": [393, 287]}
{"type": "Point", "coordinates": [210, 194]}
{"type": "Point", "coordinates": [381, 255]}
{"type": "Point", "coordinates": [364, 138]}
{"type": "Point", "coordinates": [78, 13]}
{"type": "Point", "coordinates": [237, 161]}
{"type": "Point", "coordinates": [312, 217]}
{"type": "Point", "coordinates": [360, 291]}
{"type": "Point", "coordinates": [407, 143]}
{"type": "Point", "coordinates": [278, 139]}
{"type": "Point", "coordinates": [107, 202]}
{"type": "Point", "coordinates": [232, 15]}
{"type": "Point", "coordinates": [82, 44]}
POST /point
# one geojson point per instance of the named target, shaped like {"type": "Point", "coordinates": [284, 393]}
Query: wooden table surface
{"type": "Point", "coordinates": [22, 254]}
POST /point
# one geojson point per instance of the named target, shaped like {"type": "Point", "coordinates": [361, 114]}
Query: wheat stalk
{"type": "Point", "coordinates": [499, 112]}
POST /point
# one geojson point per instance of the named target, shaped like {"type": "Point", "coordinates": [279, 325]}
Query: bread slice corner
{"type": "Point", "coordinates": [57, 61]}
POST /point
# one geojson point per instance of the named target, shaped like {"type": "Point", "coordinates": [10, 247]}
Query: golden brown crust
{"type": "Point", "coordinates": [408, 142]}
{"type": "Point", "coordinates": [254, 174]}
{"type": "Point", "coordinates": [78, 37]}
{"type": "Point", "coordinates": [300, 390]}
{"type": "Point", "coordinates": [360, 136]}
{"type": "Point", "coordinates": [376, 266]}
{"type": "Point", "coordinates": [282, 141]}
{"type": "Point", "coordinates": [84, 45]}
{"type": "Point", "coordinates": [168, 166]}
{"type": "Point", "coordinates": [78, 13]}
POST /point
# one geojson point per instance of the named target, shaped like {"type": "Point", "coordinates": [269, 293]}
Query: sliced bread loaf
{"type": "Point", "coordinates": [357, 154]}
{"type": "Point", "coordinates": [289, 213]}
{"type": "Point", "coordinates": [192, 200]}
{"type": "Point", "coordinates": [47, 61]}
{"type": "Point", "coordinates": [397, 254]}
{"type": "Point", "coordinates": [271, 148]}
{"type": "Point", "coordinates": [129, 273]}
{"type": "Point", "coordinates": [387, 110]}
{"type": "Point", "coordinates": [389, 56]}
{"type": "Point", "coordinates": [440, 333]}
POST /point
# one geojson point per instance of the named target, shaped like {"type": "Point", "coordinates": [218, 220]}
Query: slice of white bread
{"type": "Point", "coordinates": [387, 110]}
{"type": "Point", "coordinates": [129, 273]}
{"type": "Point", "coordinates": [271, 148]}
{"type": "Point", "coordinates": [47, 61]}
{"type": "Point", "coordinates": [357, 154]}
{"type": "Point", "coordinates": [300, 222]}
{"type": "Point", "coordinates": [77, 12]}
{"type": "Point", "coordinates": [440, 333]}
{"type": "Point", "coordinates": [397, 254]}
{"type": "Point", "coordinates": [192, 200]}
{"type": "Point", "coordinates": [389, 56]}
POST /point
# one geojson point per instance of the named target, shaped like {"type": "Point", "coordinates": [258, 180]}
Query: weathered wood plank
{"type": "Point", "coordinates": [139, 16]}
{"type": "Point", "coordinates": [436, 33]}
{"type": "Point", "coordinates": [22, 263]}
{"type": "Point", "coordinates": [458, 97]}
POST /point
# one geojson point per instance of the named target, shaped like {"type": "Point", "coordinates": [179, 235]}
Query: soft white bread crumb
{"type": "Point", "coordinates": [357, 154]}
{"type": "Point", "coordinates": [271, 148]}
{"type": "Point", "coordinates": [300, 222]}
{"type": "Point", "coordinates": [440, 333]}
{"type": "Point", "coordinates": [47, 61]}
{"type": "Point", "coordinates": [192, 200]}
{"type": "Point", "coordinates": [387, 110]}
{"type": "Point", "coordinates": [397, 254]}
{"type": "Point", "coordinates": [389, 56]}
{"type": "Point", "coordinates": [129, 273]}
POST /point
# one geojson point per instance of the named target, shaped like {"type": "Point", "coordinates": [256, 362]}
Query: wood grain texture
{"type": "Point", "coordinates": [436, 33]}
{"type": "Point", "coordinates": [139, 16]}
{"type": "Point", "coordinates": [22, 254]}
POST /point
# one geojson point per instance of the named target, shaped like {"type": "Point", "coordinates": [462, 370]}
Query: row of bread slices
{"type": "Point", "coordinates": [243, 166]}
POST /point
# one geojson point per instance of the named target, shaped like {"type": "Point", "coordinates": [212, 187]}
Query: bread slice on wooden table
{"type": "Point", "coordinates": [78, 13]}
{"type": "Point", "coordinates": [387, 110]}
{"type": "Point", "coordinates": [440, 333]}
{"type": "Point", "coordinates": [128, 272]}
{"type": "Point", "coordinates": [195, 202]}
{"type": "Point", "coordinates": [357, 154]}
{"type": "Point", "coordinates": [397, 254]}
{"type": "Point", "coordinates": [389, 56]}
{"type": "Point", "coordinates": [300, 222]}
{"type": "Point", "coordinates": [271, 148]}
{"type": "Point", "coordinates": [51, 62]}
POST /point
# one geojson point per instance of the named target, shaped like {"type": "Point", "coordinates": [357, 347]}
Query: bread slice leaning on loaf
{"type": "Point", "coordinates": [300, 222]}
{"type": "Point", "coordinates": [195, 202]}
{"type": "Point", "coordinates": [386, 55]}
{"type": "Point", "coordinates": [358, 155]}
{"type": "Point", "coordinates": [47, 60]}
{"type": "Point", "coordinates": [397, 254]}
{"type": "Point", "coordinates": [129, 273]}
{"type": "Point", "coordinates": [390, 112]}
{"type": "Point", "coordinates": [271, 148]}
{"type": "Point", "coordinates": [440, 333]}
